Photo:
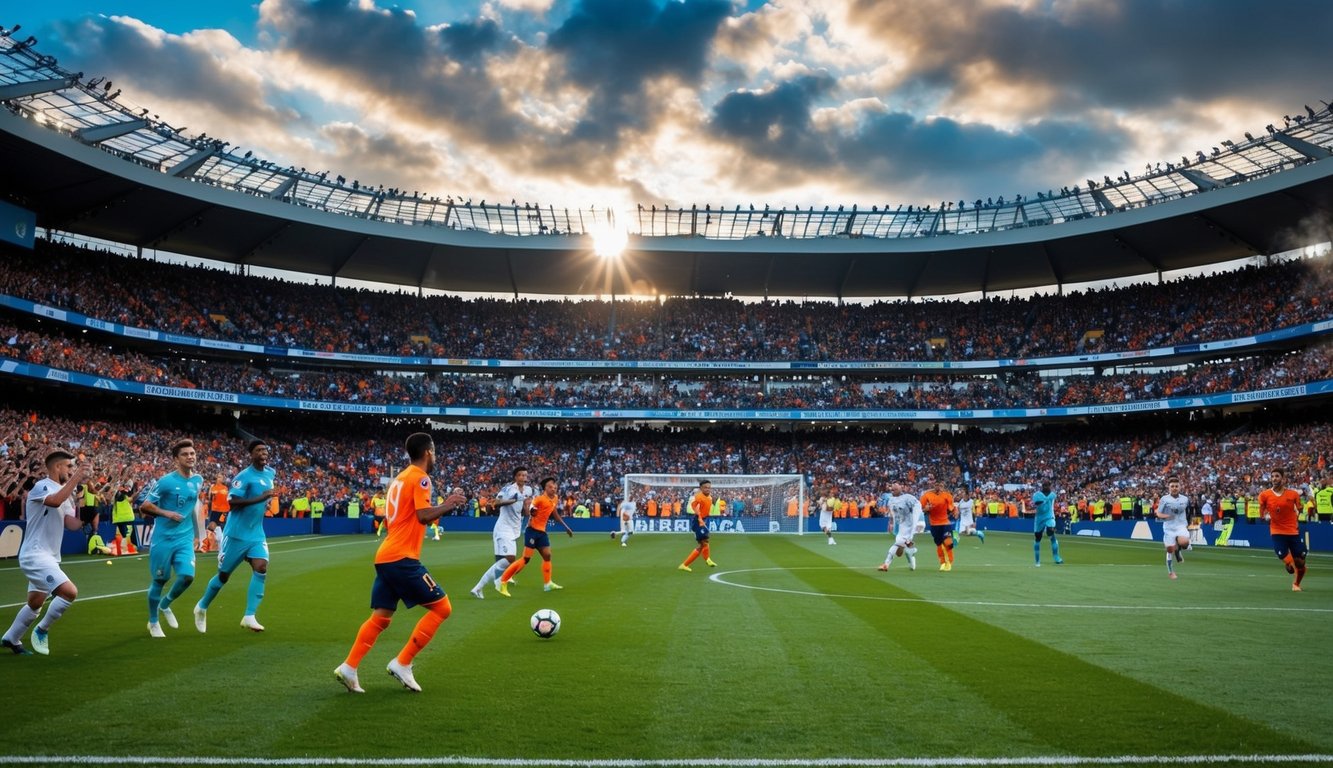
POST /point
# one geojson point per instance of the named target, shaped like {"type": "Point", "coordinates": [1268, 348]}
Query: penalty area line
{"type": "Point", "coordinates": [830, 762]}
{"type": "Point", "coordinates": [718, 578]}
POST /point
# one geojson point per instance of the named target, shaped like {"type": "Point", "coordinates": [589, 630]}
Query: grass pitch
{"type": "Point", "coordinates": [791, 650]}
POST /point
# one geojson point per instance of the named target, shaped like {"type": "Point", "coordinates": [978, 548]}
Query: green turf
{"type": "Point", "coordinates": [807, 652]}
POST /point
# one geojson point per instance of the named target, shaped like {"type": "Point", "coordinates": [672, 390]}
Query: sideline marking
{"type": "Point", "coordinates": [717, 577]}
{"type": "Point", "coordinates": [870, 762]}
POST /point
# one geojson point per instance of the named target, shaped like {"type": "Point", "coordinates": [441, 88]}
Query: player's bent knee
{"type": "Point", "coordinates": [1036, 535]}
{"type": "Point", "coordinates": [442, 608]}
{"type": "Point", "coordinates": [224, 576]}
{"type": "Point", "coordinates": [186, 580]}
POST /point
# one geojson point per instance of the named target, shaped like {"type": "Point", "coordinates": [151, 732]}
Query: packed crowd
{"type": "Point", "coordinates": [58, 349]}
{"type": "Point", "coordinates": [215, 304]}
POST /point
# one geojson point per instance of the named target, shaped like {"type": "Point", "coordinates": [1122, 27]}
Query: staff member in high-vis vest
{"type": "Point", "coordinates": [316, 513]}
{"type": "Point", "coordinates": [1323, 500]}
{"type": "Point", "coordinates": [122, 516]}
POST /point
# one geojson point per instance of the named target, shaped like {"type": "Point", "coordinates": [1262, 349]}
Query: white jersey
{"type": "Point", "coordinates": [45, 529]}
{"type": "Point", "coordinates": [827, 506]}
{"type": "Point", "coordinates": [1177, 507]}
{"type": "Point", "coordinates": [511, 498]}
{"type": "Point", "coordinates": [906, 511]}
{"type": "Point", "coordinates": [965, 507]}
{"type": "Point", "coordinates": [627, 509]}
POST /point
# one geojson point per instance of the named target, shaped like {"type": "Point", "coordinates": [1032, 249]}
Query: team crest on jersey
{"type": "Point", "coordinates": [236, 485]}
{"type": "Point", "coordinates": [425, 482]}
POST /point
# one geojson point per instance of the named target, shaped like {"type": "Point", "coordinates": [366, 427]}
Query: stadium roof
{"type": "Point", "coordinates": [89, 164]}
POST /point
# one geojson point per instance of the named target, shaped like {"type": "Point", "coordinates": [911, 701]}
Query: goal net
{"type": "Point", "coordinates": [741, 503]}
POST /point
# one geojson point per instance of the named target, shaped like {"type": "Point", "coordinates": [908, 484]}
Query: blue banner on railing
{"type": "Point", "coordinates": [489, 365]}
{"type": "Point", "coordinates": [34, 371]}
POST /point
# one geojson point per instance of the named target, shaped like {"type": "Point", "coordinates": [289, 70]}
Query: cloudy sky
{"type": "Point", "coordinates": [789, 102]}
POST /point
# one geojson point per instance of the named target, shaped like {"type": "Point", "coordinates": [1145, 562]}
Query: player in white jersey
{"type": "Point", "coordinates": [967, 524]}
{"type": "Point", "coordinates": [515, 501]}
{"type": "Point", "coordinates": [828, 504]}
{"type": "Point", "coordinates": [49, 512]}
{"type": "Point", "coordinates": [625, 511]}
{"type": "Point", "coordinates": [904, 512]}
{"type": "Point", "coordinates": [1173, 510]}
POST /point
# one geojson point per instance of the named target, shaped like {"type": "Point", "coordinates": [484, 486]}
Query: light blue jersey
{"type": "Point", "coordinates": [247, 523]}
{"type": "Point", "coordinates": [174, 492]}
{"type": "Point", "coordinates": [1045, 506]}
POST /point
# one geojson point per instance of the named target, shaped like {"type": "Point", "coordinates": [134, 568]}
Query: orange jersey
{"type": "Point", "coordinates": [702, 507]}
{"type": "Point", "coordinates": [1281, 511]}
{"type": "Point", "coordinates": [217, 498]}
{"type": "Point", "coordinates": [937, 506]}
{"type": "Point", "coordinates": [408, 492]}
{"type": "Point", "coordinates": [542, 507]}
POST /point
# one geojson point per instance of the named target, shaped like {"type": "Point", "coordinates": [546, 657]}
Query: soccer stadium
{"type": "Point", "coordinates": [1032, 478]}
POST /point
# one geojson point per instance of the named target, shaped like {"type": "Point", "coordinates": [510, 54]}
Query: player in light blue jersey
{"type": "Point", "coordinates": [243, 537]}
{"type": "Point", "coordinates": [174, 499]}
{"type": "Point", "coordinates": [1044, 522]}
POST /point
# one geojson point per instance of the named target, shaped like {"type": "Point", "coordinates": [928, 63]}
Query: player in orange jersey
{"type": "Point", "coordinates": [1278, 505]}
{"type": "Point", "coordinates": [938, 505]}
{"type": "Point", "coordinates": [544, 506]}
{"type": "Point", "coordinates": [701, 506]}
{"type": "Point", "coordinates": [399, 574]}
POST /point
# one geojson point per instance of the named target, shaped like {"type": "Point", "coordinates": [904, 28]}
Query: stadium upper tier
{"type": "Point", "coordinates": [1108, 327]}
{"type": "Point", "coordinates": [87, 162]}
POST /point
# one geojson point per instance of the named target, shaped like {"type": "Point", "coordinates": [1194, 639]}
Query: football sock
{"type": "Point", "coordinates": [22, 621]}
{"type": "Point", "coordinates": [703, 551]}
{"type": "Point", "coordinates": [256, 593]}
{"type": "Point", "coordinates": [694, 555]}
{"type": "Point", "coordinates": [939, 552]}
{"type": "Point", "coordinates": [211, 591]}
{"type": "Point", "coordinates": [496, 570]}
{"type": "Point", "coordinates": [436, 613]}
{"type": "Point", "coordinates": [546, 571]}
{"type": "Point", "coordinates": [1291, 563]}
{"type": "Point", "coordinates": [1170, 562]}
{"type": "Point", "coordinates": [53, 612]}
{"type": "Point", "coordinates": [178, 587]}
{"type": "Point", "coordinates": [1300, 572]}
{"type": "Point", "coordinates": [154, 600]}
{"type": "Point", "coordinates": [624, 537]}
{"type": "Point", "coordinates": [1036, 551]}
{"type": "Point", "coordinates": [1055, 548]}
{"type": "Point", "coordinates": [948, 549]}
{"type": "Point", "coordinates": [513, 569]}
{"type": "Point", "coordinates": [365, 639]}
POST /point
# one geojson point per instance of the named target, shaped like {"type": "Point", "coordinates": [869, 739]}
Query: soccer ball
{"type": "Point", "coordinates": [545, 623]}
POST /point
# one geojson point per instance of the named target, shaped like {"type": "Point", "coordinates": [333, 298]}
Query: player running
{"type": "Point", "coordinates": [702, 506]}
{"type": "Point", "coordinates": [967, 524]}
{"type": "Point", "coordinates": [49, 511]}
{"type": "Point", "coordinates": [1173, 510]}
{"type": "Point", "coordinates": [1044, 523]}
{"type": "Point", "coordinates": [828, 504]}
{"type": "Point", "coordinates": [626, 511]}
{"type": "Point", "coordinates": [399, 574]}
{"type": "Point", "coordinates": [515, 502]}
{"type": "Point", "coordinates": [939, 508]}
{"type": "Point", "coordinates": [536, 539]}
{"type": "Point", "coordinates": [174, 498]}
{"type": "Point", "coordinates": [904, 511]}
{"type": "Point", "coordinates": [1278, 505]}
{"type": "Point", "coordinates": [243, 538]}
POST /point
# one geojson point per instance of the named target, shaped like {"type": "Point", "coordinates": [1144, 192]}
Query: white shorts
{"type": "Point", "coordinates": [43, 573]}
{"type": "Point", "coordinates": [825, 520]}
{"type": "Point", "coordinates": [505, 546]}
{"type": "Point", "coordinates": [966, 522]}
{"type": "Point", "coordinates": [902, 540]}
{"type": "Point", "coordinates": [1169, 535]}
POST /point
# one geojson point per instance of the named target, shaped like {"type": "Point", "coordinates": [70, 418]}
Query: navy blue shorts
{"type": "Point", "coordinates": [700, 532]}
{"type": "Point", "coordinates": [1284, 543]}
{"type": "Point", "coordinates": [406, 580]}
{"type": "Point", "coordinates": [535, 539]}
{"type": "Point", "coordinates": [941, 532]}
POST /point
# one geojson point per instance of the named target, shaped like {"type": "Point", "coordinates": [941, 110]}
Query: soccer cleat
{"type": "Point", "coordinates": [550, 585]}
{"type": "Point", "coordinates": [39, 643]}
{"type": "Point", "coordinates": [944, 566]}
{"type": "Point", "coordinates": [710, 563]}
{"type": "Point", "coordinates": [624, 544]}
{"type": "Point", "coordinates": [1059, 561]}
{"type": "Point", "coordinates": [17, 649]}
{"type": "Point", "coordinates": [200, 619]}
{"type": "Point", "coordinates": [155, 630]}
{"type": "Point", "coordinates": [1038, 564]}
{"type": "Point", "coordinates": [477, 593]}
{"type": "Point", "coordinates": [1294, 588]}
{"type": "Point", "coordinates": [981, 535]}
{"type": "Point", "coordinates": [1172, 576]}
{"type": "Point", "coordinates": [948, 566]}
{"type": "Point", "coordinates": [613, 535]}
{"type": "Point", "coordinates": [504, 589]}
{"type": "Point", "coordinates": [170, 617]}
{"type": "Point", "coordinates": [883, 567]}
{"type": "Point", "coordinates": [403, 674]}
{"type": "Point", "coordinates": [684, 567]}
{"type": "Point", "coordinates": [251, 623]}
{"type": "Point", "coordinates": [347, 676]}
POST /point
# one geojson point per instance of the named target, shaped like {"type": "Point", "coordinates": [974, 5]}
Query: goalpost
{"type": "Point", "coordinates": [741, 503]}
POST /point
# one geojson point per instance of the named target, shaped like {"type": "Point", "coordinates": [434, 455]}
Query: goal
{"type": "Point", "coordinates": [741, 503]}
